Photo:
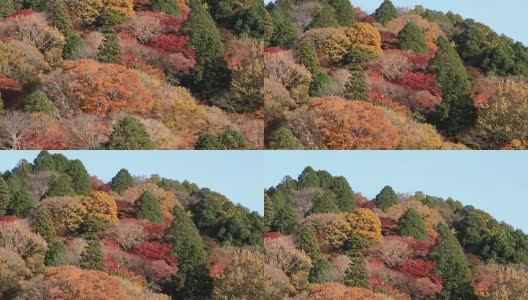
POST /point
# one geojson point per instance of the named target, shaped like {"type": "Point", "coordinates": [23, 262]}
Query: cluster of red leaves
{"type": "Point", "coordinates": [173, 44]}
{"type": "Point", "coordinates": [389, 226]}
{"type": "Point", "coordinates": [170, 23]}
{"type": "Point", "coordinates": [389, 40]}
{"type": "Point", "coordinates": [8, 219]}
{"type": "Point", "coordinates": [420, 61]}
{"type": "Point", "coordinates": [420, 248]}
{"type": "Point", "coordinates": [112, 266]}
{"type": "Point", "coordinates": [21, 13]}
{"type": "Point", "coordinates": [45, 134]}
{"type": "Point", "coordinates": [7, 83]}
{"type": "Point", "coordinates": [420, 81]}
{"type": "Point", "coordinates": [156, 251]}
{"type": "Point", "coordinates": [107, 187]}
{"type": "Point", "coordinates": [272, 235]}
{"type": "Point", "coordinates": [273, 50]}
{"type": "Point", "coordinates": [420, 268]}
{"type": "Point", "coordinates": [378, 98]}
{"type": "Point", "coordinates": [130, 59]}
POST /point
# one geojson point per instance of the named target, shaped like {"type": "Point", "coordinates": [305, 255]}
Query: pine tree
{"type": "Point", "coordinates": [308, 243]}
{"type": "Point", "coordinates": [209, 141]}
{"type": "Point", "coordinates": [320, 265]}
{"type": "Point", "coordinates": [233, 140]}
{"type": "Point", "coordinates": [284, 33]}
{"type": "Point", "coordinates": [344, 12]}
{"type": "Point", "coordinates": [61, 20]}
{"type": "Point", "coordinates": [283, 139]}
{"type": "Point", "coordinates": [60, 185]}
{"type": "Point", "coordinates": [44, 225]}
{"type": "Point", "coordinates": [192, 280]}
{"type": "Point", "coordinates": [44, 162]}
{"type": "Point", "coordinates": [386, 12]}
{"type": "Point", "coordinates": [307, 56]}
{"type": "Point", "coordinates": [169, 7]}
{"type": "Point", "coordinates": [122, 181]}
{"type": "Point", "coordinates": [457, 111]}
{"type": "Point", "coordinates": [309, 178]}
{"type": "Point", "coordinates": [80, 177]}
{"type": "Point", "coordinates": [324, 202]}
{"type": "Point", "coordinates": [412, 38]}
{"type": "Point", "coordinates": [148, 208]}
{"type": "Point", "coordinates": [21, 202]}
{"type": "Point", "coordinates": [37, 101]}
{"type": "Point", "coordinates": [6, 8]}
{"type": "Point", "coordinates": [345, 197]}
{"type": "Point", "coordinates": [210, 75]}
{"type": "Point", "coordinates": [412, 224]}
{"type": "Point", "coordinates": [129, 134]}
{"type": "Point", "coordinates": [110, 51]}
{"type": "Point", "coordinates": [357, 275]}
{"type": "Point", "coordinates": [92, 258]}
{"type": "Point", "coordinates": [357, 88]}
{"type": "Point", "coordinates": [452, 265]}
{"type": "Point", "coordinates": [323, 17]}
{"type": "Point", "coordinates": [56, 255]}
{"type": "Point", "coordinates": [386, 198]}
{"type": "Point", "coordinates": [4, 197]}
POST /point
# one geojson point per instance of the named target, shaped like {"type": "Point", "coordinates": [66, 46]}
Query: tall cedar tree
{"type": "Point", "coordinates": [386, 12]}
{"type": "Point", "coordinates": [61, 20]}
{"type": "Point", "coordinates": [44, 225]}
{"type": "Point", "coordinates": [457, 111]}
{"type": "Point", "coordinates": [412, 38]}
{"type": "Point", "coordinates": [452, 265]}
{"type": "Point", "coordinates": [357, 88]}
{"type": "Point", "coordinates": [344, 12]}
{"type": "Point", "coordinates": [192, 280]}
{"type": "Point", "coordinates": [44, 162]}
{"type": "Point", "coordinates": [284, 33]}
{"type": "Point", "coordinates": [92, 258]}
{"type": "Point", "coordinates": [80, 177]}
{"type": "Point", "coordinates": [283, 139]}
{"type": "Point", "coordinates": [110, 51]}
{"type": "Point", "coordinates": [412, 224]}
{"type": "Point", "coordinates": [210, 76]}
{"type": "Point", "coordinates": [345, 196]}
{"type": "Point", "coordinates": [21, 202]}
{"type": "Point", "coordinates": [324, 202]}
{"type": "Point", "coordinates": [357, 275]}
{"type": "Point", "coordinates": [129, 134]}
{"type": "Point", "coordinates": [37, 101]}
{"type": "Point", "coordinates": [309, 178]}
{"type": "Point", "coordinates": [169, 7]}
{"type": "Point", "coordinates": [122, 181]}
{"type": "Point", "coordinates": [4, 197]}
{"type": "Point", "coordinates": [56, 255]}
{"type": "Point", "coordinates": [148, 208]}
{"type": "Point", "coordinates": [309, 244]}
{"type": "Point", "coordinates": [60, 185]}
{"type": "Point", "coordinates": [6, 8]}
{"type": "Point", "coordinates": [386, 198]}
{"type": "Point", "coordinates": [307, 56]}
{"type": "Point", "coordinates": [324, 16]}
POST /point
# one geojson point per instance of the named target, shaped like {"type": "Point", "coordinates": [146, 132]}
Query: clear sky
{"type": "Point", "coordinates": [235, 174]}
{"type": "Point", "coordinates": [494, 181]}
{"type": "Point", "coordinates": [506, 16]}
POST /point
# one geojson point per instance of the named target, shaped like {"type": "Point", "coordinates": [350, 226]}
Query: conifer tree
{"type": "Point", "coordinates": [110, 51]}
{"type": "Point", "coordinates": [344, 12]}
{"type": "Point", "coordinates": [324, 202]}
{"type": "Point", "coordinates": [357, 88]}
{"type": "Point", "coordinates": [80, 177]}
{"type": "Point", "coordinates": [283, 139]}
{"type": "Point", "coordinates": [60, 185]}
{"type": "Point", "coordinates": [61, 20]}
{"type": "Point", "coordinates": [386, 12]}
{"type": "Point", "coordinates": [412, 38]}
{"type": "Point", "coordinates": [44, 162]}
{"type": "Point", "coordinates": [307, 56]}
{"type": "Point", "coordinates": [284, 33]}
{"type": "Point", "coordinates": [324, 16]}
{"type": "Point", "coordinates": [129, 134]}
{"type": "Point", "coordinates": [56, 255]}
{"type": "Point", "coordinates": [4, 197]}
{"type": "Point", "coordinates": [192, 280]}
{"type": "Point", "coordinates": [309, 178]}
{"type": "Point", "coordinates": [148, 208]}
{"type": "Point", "coordinates": [357, 275]}
{"type": "Point", "coordinates": [169, 7]}
{"type": "Point", "coordinates": [345, 197]}
{"type": "Point", "coordinates": [92, 258]}
{"type": "Point", "coordinates": [412, 224]}
{"type": "Point", "coordinates": [21, 202]}
{"type": "Point", "coordinates": [37, 101]}
{"type": "Point", "coordinates": [6, 8]}
{"type": "Point", "coordinates": [233, 140]}
{"type": "Point", "coordinates": [209, 141]}
{"type": "Point", "coordinates": [308, 243]}
{"type": "Point", "coordinates": [122, 181]}
{"type": "Point", "coordinates": [44, 225]}
{"type": "Point", "coordinates": [386, 198]}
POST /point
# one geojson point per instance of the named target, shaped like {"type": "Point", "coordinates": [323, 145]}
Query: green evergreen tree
{"type": "Point", "coordinates": [324, 16]}
{"type": "Point", "coordinates": [192, 280]}
{"type": "Point", "coordinates": [320, 81]}
{"type": "Point", "coordinates": [60, 185]}
{"type": "Point", "coordinates": [44, 225]}
{"type": "Point", "coordinates": [308, 243]}
{"type": "Point", "coordinates": [210, 76]}
{"type": "Point", "coordinates": [250, 21]}
{"type": "Point", "coordinates": [56, 255]}
{"type": "Point", "coordinates": [307, 56]}
{"type": "Point", "coordinates": [233, 140]}
{"type": "Point", "coordinates": [345, 196]}
{"type": "Point", "coordinates": [357, 87]}
{"type": "Point", "coordinates": [61, 20]}
{"type": "Point", "coordinates": [6, 8]}
{"type": "Point", "coordinates": [61, 162]}
{"type": "Point", "coordinates": [21, 202]}
{"type": "Point", "coordinates": [357, 275]}
{"type": "Point", "coordinates": [412, 224]}
{"type": "Point", "coordinates": [320, 265]}
{"type": "Point", "coordinates": [325, 179]}
{"type": "Point", "coordinates": [129, 134]}
{"type": "Point", "coordinates": [122, 181]}
{"type": "Point", "coordinates": [324, 202]}
{"type": "Point", "coordinates": [286, 219]}
{"type": "Point", "coordinates": [457, 111]}
{"type": "Point", "coordinates": [309, 178]}
{"type": "Point", "coordinates": [37, 101]}
{"type": "Point", "coordinates": [80, 178]}
{"type": "Point", "coordinates": [412, 38]}
{"type": "Point", "coordinates": [90, 226]}
{"type": "Point", "coordinates": [355, 243]}
{"type": "Point", "coordinates": [44, 162]}
{"type": "Point", "coordinates": [169, 7]}
{"type": "Point", "coordinates": [148, 208]}
{"type": "Point", "coordinates": [283, 139]}
{"type": "Point", "coordinates": [452, 265]}
{"type": "Point", "coordinates": [92, 258]}
{"type": "Point", "coordinates": [209, 141]}
{"type": "Point", "coordinates": [386, 12]}
{"type": "Point", "coordinates": [284, 33]}
{"type": "Point", "coordinates": [110, 51]}
{"type": "Point", "coordinates": [5, 197]}
{"type": "Point", "coordinates": [344, 12]}
{"type": "Point", "coordinates": [386, 198]}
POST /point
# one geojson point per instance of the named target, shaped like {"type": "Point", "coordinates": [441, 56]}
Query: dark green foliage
{"type": "Point", "coordinates": [250, 22]}
{"type": "Point", "coordinates": [344, 12]}
{"type": "Point", "coordinates": [38, 5]}
{"type": "Point", "coordinates": [320, 81]}
{"type": "Point", "coordinates": [308, 178]}
{"type": "Point", "coordinates": [4, 197]}
{"type": "Point", "coordinates": [56, 255]}
{"type": "Point", "coordinates": [320, 265]}
{"type": "Point", "coordinates": [452, 265]}
{"type": "Point", "coordinates": [284, 32]}
{"type": "Point", "coordinates": [457, 111]}
{"type": "Point", "coordinates": [386, 198]}
{"type": "Point", "coordinates": [307, 56]}
{"type": "Point", "coordinates": [324, 16]}
{"type": "Point", "coordinates": [357, 88]}
{"type": "Point", "coordinates": [386, 12]}
{"type": "Point", "coordinates": [37, 101]}
{"type": "Point", "coordinates": [129, 134]}
{"type": "Point", "coordinates": [268, 210]}
{"type": "Point", "coordinates": [21, 202]}
{"type": "Point", "coordinates": [80, 177]}
{"type": "Point", "coordinates": [286, 217]}
{"type": "Point", "coordinates": [210, 76]}
{"type": "Point", "coordinates": [324, 202]}
{"type": "Point", "coordinates": [412, 38]}
{"type": "Point", "coordinates": [44, 225]}
{"type": "Point", "coordinates": [209, 141]}
{"type": "Point", "coordinates": [92, 258]}
{"type": "Point", "coordinates": [473, 41]}
{"type": "Point", "coordinates": [60, 185]}
{"type": "Point", "coordinates": [345, 197]}
{"type": "Point", "coordinates": [44, 162]}
{"type": "Point", "coordinates": [228, 140]}
{"type": "Point", "coordinates": [355, 57]}
{"type": "Point", "coordinates": [192, 280]}
{"type": "Point", "coordinates": [308, 243]}
{"type": "Point", "coordinates": [122, 181]}
{"type": "Point", "coordinates": [169, 7]}
{"type": "Point", "coordinates": [108, 19]}
{"type": "Point", "coordinates": [325, 179]}
{"type": "Point", "coordinates": [74, 44]}
{"type": "Point", "coordinates": [283, 139]}
{"type": "Point", "coordinates": [357, 275]}
{"type": "Point", "coordinates": [355, 243]}
{"type": "Point", "coordinates": [148, 208]}
{"type": "Point", "coordinates": [91, 226]}
{"type": "Point", "coordinates": [6, 8]}
{"type": "Point", "coordinates": [110, 51]}
{"type": "Point", "coordinates": [61, 20]}
{"type": "Point", "coordinates": [412, 224]}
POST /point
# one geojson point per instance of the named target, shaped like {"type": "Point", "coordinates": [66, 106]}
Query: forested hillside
{"type": "Point", "coordinates": [125, 74]}
{"type": "Point", "coordinates": [339, 78]}
{"type": "Point", "coordinates": [65, 234]}
{"type": "Point", "coordinates": [325, 241]}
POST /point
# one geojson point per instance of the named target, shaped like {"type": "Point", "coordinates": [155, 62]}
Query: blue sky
{"type": "Point", "coordinates": [235, 174]}
{"type": "Point", "coordinates": [506, 16]}
{"type": "Point", "coordinates": [494, 181]}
